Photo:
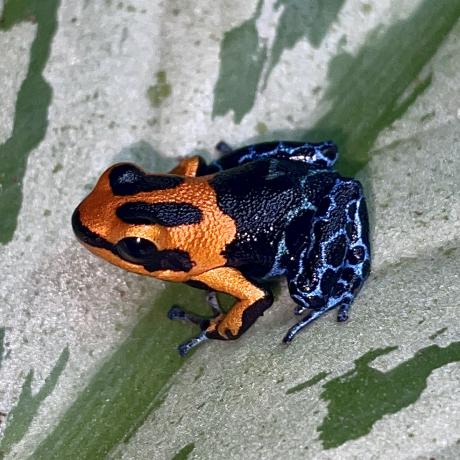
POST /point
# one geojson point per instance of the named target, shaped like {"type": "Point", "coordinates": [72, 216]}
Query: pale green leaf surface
{"type": "Point", "coordinates": [88, 367]}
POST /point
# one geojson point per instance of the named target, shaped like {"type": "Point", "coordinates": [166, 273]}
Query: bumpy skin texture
{"type": "Point", "coordinates": [262, 211]}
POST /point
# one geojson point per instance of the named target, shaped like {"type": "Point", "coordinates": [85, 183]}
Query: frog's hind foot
{"type": "Point", "coordinates": [303, 323]}
{"type": "Point", "coordinates": [343, 303]}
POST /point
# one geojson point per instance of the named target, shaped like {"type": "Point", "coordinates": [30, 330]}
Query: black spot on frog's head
{"type": "Point", "coordinates": [128, 179]}
{"type": "Point", "coordinates": [165, 214]}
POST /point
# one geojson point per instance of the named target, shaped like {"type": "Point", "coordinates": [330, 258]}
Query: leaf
{"type": "Point", "coordinates": [389, 98]}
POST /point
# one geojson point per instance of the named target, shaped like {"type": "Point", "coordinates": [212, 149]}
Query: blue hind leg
{"type": "Point", "coordinates": [331, 268]}
{"type": "Point", "coordinates": [321, 154]}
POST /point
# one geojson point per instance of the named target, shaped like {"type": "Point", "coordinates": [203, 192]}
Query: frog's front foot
{"type": "Point", "coordinates": [223, 148]}
{"type": "Point", "coordinates": [205, 323]}
{"type": "Point", "coordinates": [185, 347]}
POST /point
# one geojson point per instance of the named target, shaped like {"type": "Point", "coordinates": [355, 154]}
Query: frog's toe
{"type": "Point", "coordinates": [294, 330]}
{"type": "Point", "coordinates": [303, 323]}
{"type": "Point", "coordinates": [300, 310]}
{"type": "Point", "coordinates": [213, 302]}
{"type": "Point", "coordinates": [185, 347]}
{"type": "Point", "coordinates": [177, 313]}
{"type": "Point", "coordinates": [343, 313]}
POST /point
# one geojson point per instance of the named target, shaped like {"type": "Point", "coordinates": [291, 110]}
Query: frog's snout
{"type": "Point", "coordinates": [78, 228]}
{"type": "Point", "coordinates": [84, 234]}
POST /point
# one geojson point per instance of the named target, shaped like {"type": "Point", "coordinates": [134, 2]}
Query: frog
{"type": "Point", "coordinates": [263, 211]}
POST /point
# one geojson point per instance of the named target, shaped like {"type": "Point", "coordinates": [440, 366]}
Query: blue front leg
{"type": "Point", "coordinates": [321, 154]}
{"type": "Point", "coordinates": [331, 268]}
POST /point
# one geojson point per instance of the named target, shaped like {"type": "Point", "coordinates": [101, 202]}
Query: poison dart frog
{"type": "Point", "coordinates": [259, 212]}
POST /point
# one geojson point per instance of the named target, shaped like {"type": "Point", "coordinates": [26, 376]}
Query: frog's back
{"type": "Point", "coordinates": [264, 198]}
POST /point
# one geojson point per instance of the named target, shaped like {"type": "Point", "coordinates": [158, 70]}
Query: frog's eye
{"type": "Point", "coordinates": [140, 251]}
{"type": "Point", "coordinates": [136, 250]}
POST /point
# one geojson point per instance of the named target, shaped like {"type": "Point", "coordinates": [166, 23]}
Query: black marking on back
{"type": "Point", "coordinates": [166, 214]}
{"type": "Point", "coordinates": [128, 179]}
{"type": "Point", "coordinates": [330, 151]}
{"type": "Point", "coordinates": [356, 255]}
{"type": "Point", "coordinates": [298, 231]}
{"type": "Point", "coordinates": [263, 198]}
{"type": "Point", "coordinates": [328, 280]}
{"type": "Point", "coordinates": [335, 251]}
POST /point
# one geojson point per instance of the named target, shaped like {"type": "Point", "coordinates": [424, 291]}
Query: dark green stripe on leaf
{"type": "Point", "coordinates": [23, 413]}
{"type": "Point", "coordinates": [361, 397]}
{"type": "Point", "coordinates": [369, 91]}
{"type": "Point", "coordinates": [31, 111]}
{"type": "Point", "coordinates": [301, 19]}
{"type": "Point", "coordinates": [309, 383]}
{"type": "Point", "coordinates": [184, 452]}
{"type": "Point", "coordinates": [242, 57]}
{"type": "Point", "coordinates": [127, 387]}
